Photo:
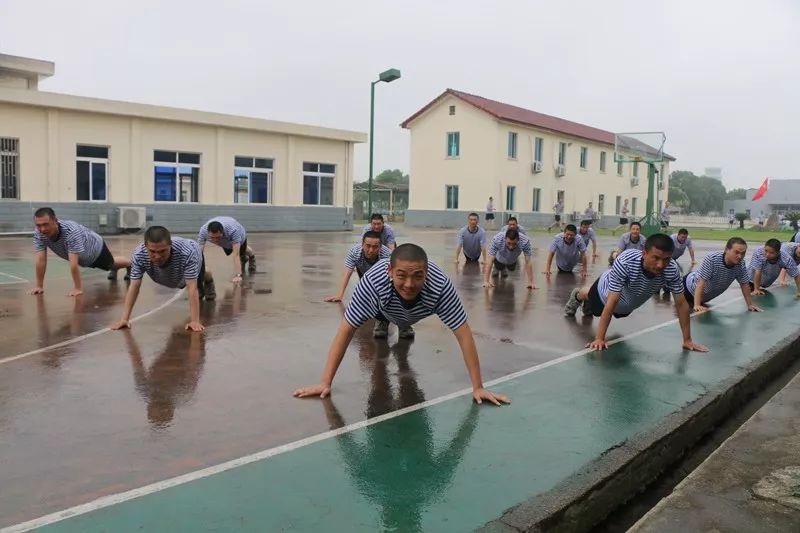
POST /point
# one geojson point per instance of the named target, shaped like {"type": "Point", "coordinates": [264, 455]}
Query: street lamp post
{"type": "Point", "coordinates": [388, 76]}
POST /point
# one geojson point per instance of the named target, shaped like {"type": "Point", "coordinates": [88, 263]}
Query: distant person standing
{"type": "Point", "coordinates": [490, 213]}
{"type": "Point", "coordinates": [558, 210]}
{"type": "Point", "coordinates": [590, 213]}
{"type": "Point", "coordinates": [77, 244]}
{"type": "Point", "coordinates": [665, 216]}
{"type": "Point", "coordinates": [761, 222]}
{"type": "Point", "coordinates": [623, 218]}
{"type": "Point", "coordinates": [472, 239]}
{"type": "Point", "coordinates": [386, 232]}
{"type": "Point", "coordinates": [731, 219]}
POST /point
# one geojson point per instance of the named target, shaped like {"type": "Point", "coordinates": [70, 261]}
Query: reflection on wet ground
{"type": "Point", "coordinates": [122, 409]}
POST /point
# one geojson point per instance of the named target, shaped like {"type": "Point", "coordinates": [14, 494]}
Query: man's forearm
{"type": "Point", "coordinates": [605, 317]}
{"type": "Point", "coordinates": [594, 247]}
{"type": "Point", "coordinates": [748, 297]}
{"type": "Point", "coordinates": [237, 264]}
{"type": "Point", "coordinates": [549, 264]}
{"type": "Point", "coordinates": [337, 350]}
{"type": "Point", "coordinates": [487, 269]}
{"type": "Point", "coordinates": [458, 252]}
{"type": "Point", "coordinates": [698, 291]}
{"type": "Point", "coordinates": [483, 254]}
{"type": "Point", "coordinates": [194, 302]}
{"type": "Point", "coordinates": [683, 317]}
{"type": "Point", "coordinates": [345, 280]}
{"type": "Point", "coordinates": [41, 268]}
{"type": "Point", "coordinates": [757, 280]}
{"type": "Point", "coordinates": [470, 353]}
{"type": "Point", "coordinates": [75, 271]}
{"type": "Point", "coordinates": [529, 270]}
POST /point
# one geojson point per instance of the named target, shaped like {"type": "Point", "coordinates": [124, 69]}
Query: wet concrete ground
{"type": "Point", "coordinates": [122, 409]}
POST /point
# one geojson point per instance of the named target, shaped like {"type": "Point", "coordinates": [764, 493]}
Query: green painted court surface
{"type": "Point", "coordinates": [453, 466]}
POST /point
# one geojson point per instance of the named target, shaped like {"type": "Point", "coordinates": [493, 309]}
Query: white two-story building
{"type": "Point", "coordinates": [466, 148]}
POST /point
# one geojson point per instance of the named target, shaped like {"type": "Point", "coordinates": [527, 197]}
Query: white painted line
{"type": "Point", "coordinates": [14, 277]}
{"type": "Point", "coordinates": [114, 499]}
{"type": "Point", "coordinates": [88, 335]}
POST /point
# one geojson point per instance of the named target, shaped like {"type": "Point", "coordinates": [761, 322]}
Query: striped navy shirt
{"type": "Point", "coordinates": [567, 255]}
{"type": "Point", "coordinates": [183, 264]}
{"type": "Point", "coordinates": [232, 232]}
{"type": "Point", "coordinates": [625, 242]}
{"type": "Point", "coordinates": [791, 249]}
{"type": "Point", "coordinates": [717, 275]}
{"type": "Point", "coordinates": [498, 250]}
{"type": "Point", "coordinates": [376, 294]}
{"type": "Point", "coordinates": [472, 243]}
{"type": "Point", "coordinates": [770, 271]}
{"type": "Point", "coordinates": [587, 237]}
{"type": "Point", "coordinates": [387, 235]}
{"type": "Point", "coordinates": [356, 260]}
{"type": "Point", "coordinates": [72, 239]}
{"type": "Point", "coordinates": [635, 286]}
{"type": "Point", "coordinates": [680, 248]}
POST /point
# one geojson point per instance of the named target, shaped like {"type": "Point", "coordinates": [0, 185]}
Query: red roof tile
{"type": "Point", "coordinates": [519, 115]}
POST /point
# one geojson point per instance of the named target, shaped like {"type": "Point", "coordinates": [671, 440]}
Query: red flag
{"type": "Point", "coordinates": [761, 190]}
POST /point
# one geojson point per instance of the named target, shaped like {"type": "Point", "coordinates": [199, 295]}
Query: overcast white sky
{"type": "Point", "coordinates": [720, 77]}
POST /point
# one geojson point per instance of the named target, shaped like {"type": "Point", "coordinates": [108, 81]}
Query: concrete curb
{"type": "Point", "coordinates": [586, 498]}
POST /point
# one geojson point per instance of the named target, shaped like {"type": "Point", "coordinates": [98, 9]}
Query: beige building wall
{"type": "Point", "coordinates": [430, 168]}
{"type": "Point", "coordinates": [485, 169]}
{"type": "Point", "coordinates": [48, 137]}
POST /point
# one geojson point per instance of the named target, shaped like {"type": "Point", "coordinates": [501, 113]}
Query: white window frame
{"type": "Point", "coordinates": [562, 153]}
{"type": "Point", "coordinates": [319, 175]}
{"type": "Point", "coordinates": [634, 202]}
{"type": "Point", "coordinates": [635, 169]}
{"type": "Point", "coordinates": [457, 135]}
{"type": "Point", "coordinates": [603, 162]}
{"type": "Point", "coordinates": [447, 197]}
{"type": "Point", "coordinates": [536, 200]}
{"type": "Point", "coordinates": [538, 149]}
{"type": "Point", "coordinates": [92, 161]}
{"type": "Point", "coordinates": [512, 145]}
{"type": "Point", "coordinates": [601, 203]}
{"type": "Point", "coordinates": [618, 205]}
{"type": "Point", "coordinates": [177, 165]}
{"type": "Point", "coordinates": [10, 158]}
{"type": "Point", "coordinates": [620, 169]}
{"type": "Point", "coordinates": [513, 190]}
{"type": "Point", "coordinates": [250, 170]}
{"type": "Point", "coordinates": [584, 157]}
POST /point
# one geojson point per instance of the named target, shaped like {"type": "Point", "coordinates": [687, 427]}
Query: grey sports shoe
{"type": "Point", "coordinates": [406, 333]}
{"type": "Point", "coordinates": [381, 329]}
{"type": "Point", "coordinates": [112, 274]}
{"type": "Point", "coordinates": [571, 307]}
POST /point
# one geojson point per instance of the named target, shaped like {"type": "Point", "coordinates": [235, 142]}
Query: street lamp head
{"type": "Point", "coordinates": [389, 75]}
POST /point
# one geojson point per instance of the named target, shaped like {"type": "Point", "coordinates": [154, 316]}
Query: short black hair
{"type": "Point", "coordinates": [571, 227]}
{"type": "Point", "coordinates": [45, 212]}
{"type": "Point", "coordinates": [637, 224]}
{"type": "Point", "coordinates": [775, 244]}
{"type": "Point", "coordinates": [472, 215]}
{"type": "Point", "coordinates": [157, 234]}
{"type": "Point", "coordinates": [683, 231]}
{"type": "Point", "coordinates": [586, 222]}
{"type": "Point", "coordinates": [512, 234]}
{"type": "Point", "coordinates": [659, 241]}
{"type": "Point", "coordinates": [512, 218]}
{"type": "Point", "coordinates": [215, 227]}
{"type": "Point", "coordinates": [376, 216]}
{"type": "Point", "coordinates": [409, 252]}
{"type": "Point", "coordinates": [370, 235]}
{"type": "Point", "coordinates": [734, 240]}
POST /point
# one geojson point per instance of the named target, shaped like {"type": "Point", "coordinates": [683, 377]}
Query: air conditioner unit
{"type": "Point", "coordinates": [560, 170]}
{"type": "Point", "coordinates": [634, 182]}
{"type": "Point", "coordinates": [131, 217]}
{"type": "Point", "coordinates": [536, 167]}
